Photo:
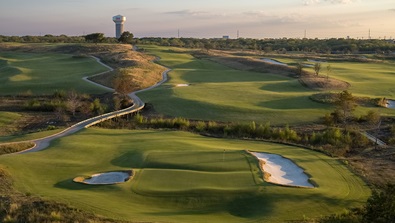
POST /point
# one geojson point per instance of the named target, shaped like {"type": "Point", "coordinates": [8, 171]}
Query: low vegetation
{"type": "Point", "coordinates": [332, 141]}
{"type": "Point", "coordinates": [15, 147]}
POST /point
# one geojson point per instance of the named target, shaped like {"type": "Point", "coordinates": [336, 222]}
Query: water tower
{"type": "Point", "coordinates": [119, 20]}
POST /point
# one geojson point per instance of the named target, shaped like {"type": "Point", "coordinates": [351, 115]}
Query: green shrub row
{"type": "Point", "coordinates": [333, 141]}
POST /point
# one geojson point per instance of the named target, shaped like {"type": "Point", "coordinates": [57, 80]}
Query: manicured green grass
{"type": "Point", "coordinates": [367, 79]}
{"type": "Point", "coordinates": [8, 117]}
{"type": "Point", "coordinates": [44, 73]}
{"type": "Point", "coordinates": [182, 177]}
{"type": "Point", "coordinates": [220, 93]}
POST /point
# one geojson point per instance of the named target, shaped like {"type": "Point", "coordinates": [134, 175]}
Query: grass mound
{"type": "Point", "coordinates": [323, 83]}
{"type": "Point", "coordinates": [182, 177]}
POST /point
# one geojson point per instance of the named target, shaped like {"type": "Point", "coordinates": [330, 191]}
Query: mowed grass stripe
{"type": "Point", "coordinates": [43, 73]}
{"type": "Point", "coordinates": [190, 186]}
{"type": "Point", "coordinates": [220, 93]}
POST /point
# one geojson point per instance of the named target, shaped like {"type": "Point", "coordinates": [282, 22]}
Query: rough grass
{"type": "Point", "coordinates": [221, 93]}
{"type": "Point", "coordinates": [323, 83]}
{"type": "Point", "coordinates": [14, 147]}
{"type": "Point", "coordinates": [182, 177]}
{"type": "Point", "coordinates": [43, 73]}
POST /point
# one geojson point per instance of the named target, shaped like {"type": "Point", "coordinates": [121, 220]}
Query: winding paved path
{"type": "Point", "coordinates": [138, 104]}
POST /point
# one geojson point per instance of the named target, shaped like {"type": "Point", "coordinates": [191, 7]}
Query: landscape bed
{"type": "Point", "coordinates": [194, 178]}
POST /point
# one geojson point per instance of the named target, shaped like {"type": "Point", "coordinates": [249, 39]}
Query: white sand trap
{"type": "Point", "coordinates": [273, 62]}
{"type": "Point", "coordinates": [391, 104]}
{"type": "Point", "coordinates": [106, 178]}
{"type": "Point", "coordinates": [182, 85]}
{"type": "Point", "coordinates": [283, 171]}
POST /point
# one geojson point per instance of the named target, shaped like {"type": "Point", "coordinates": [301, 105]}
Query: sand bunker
{"type": "Point", "coordinates": [273, 62]}
{"type": "Point", "coordinates": [106, 178]}
{"type": "Point", "coordinates": [391, 104]}
{"type": "Point", "coordinates": [282, 171]}
{"type": "Point", "coordinates": [182, 85]}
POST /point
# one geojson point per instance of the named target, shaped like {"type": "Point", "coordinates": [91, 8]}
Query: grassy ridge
{"type": "Point", "coordinates": [367, 79]}
{"type": "Point", "coordinates": [43, 73]}
{"type": "Point", "coordinates": [182, 177]}
{"type": "Point", "coordinates": [224, 94]}
{"type": "Point", "coordinates": [8, 117]}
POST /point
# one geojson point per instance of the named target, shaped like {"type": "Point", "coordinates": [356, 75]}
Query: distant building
{"type": "Point", "coordinates": [119, 20]}
{"type": "Point", "coordinates": [225, 37]}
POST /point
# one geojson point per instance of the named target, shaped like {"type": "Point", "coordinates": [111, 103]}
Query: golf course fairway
{"type": "Point", "coordinates": [220, 93]}
{"type": "Point", "coordinates": [182, 177]}
{"type": "Point", "coordinates": [43, 73]}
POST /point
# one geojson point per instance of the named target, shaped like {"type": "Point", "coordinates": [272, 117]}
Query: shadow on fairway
{"type": "Point", "coordinates": [243, 205]}
{"type": "Point", "coordinates": [284, 86]}
{"type": "Point", "coordinates": [300, 102]}
{"type": "Point", "coordinates": [133, 159]}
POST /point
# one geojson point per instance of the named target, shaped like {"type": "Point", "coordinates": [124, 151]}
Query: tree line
{"type": "Point", "coordinates": [281, 45]}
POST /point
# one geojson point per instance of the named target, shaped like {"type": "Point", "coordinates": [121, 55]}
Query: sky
{"type": "Point", "coordinates": [202, 19]}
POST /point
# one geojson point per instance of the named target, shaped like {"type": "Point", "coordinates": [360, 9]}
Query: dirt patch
{"type": "Point", "coordinates": [376, 166]}
{"type": "Point", "coordinates": [323, 83]}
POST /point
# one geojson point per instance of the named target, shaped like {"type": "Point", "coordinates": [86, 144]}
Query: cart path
{"type": "Point", "coordinates": [138, 104]}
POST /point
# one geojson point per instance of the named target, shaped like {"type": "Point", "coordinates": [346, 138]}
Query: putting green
{"type": "Point", "coordinates": [220, 93]}
{"type": "Point", "coordinates": [44, 73]}
{"type": "Point", "coordinates": [182, 177]}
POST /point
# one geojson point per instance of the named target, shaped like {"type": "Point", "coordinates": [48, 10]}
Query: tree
{"type": "Point", "coordinates": [381, 206]}
{"type": "Point", "coordinates": [345, 106]}
{"type": "Point", "coordinates": [95, 37]}
{"type": "Point", "coordinates": [97, 108]}
{"type": "Point", "coordinates": [208, 46]}
{"type": "Point", "coordinates": [299, 69]}
{"type": "Point", "coordinates": [317, 68]}
{"type": "Point", "coordinates": [126, 37]}
{"type": "Point", "coordinates": [73, 102]}
{"type": "Point", "coordinates": [328, 71]}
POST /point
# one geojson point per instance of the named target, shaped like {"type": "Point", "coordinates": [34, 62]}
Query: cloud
{"type": "Point", "coordinates": [391, 10]}
{"type": "Point", "coordinates": [312, 2]}
{"type": "Point", "coordinates": [187, 12]}
{"type": "Point", "coordinates": [265, 17]}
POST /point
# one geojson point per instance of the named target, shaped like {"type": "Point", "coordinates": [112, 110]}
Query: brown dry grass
{"type": "Point", "coordinates": [376, 166]}
{"type": "Point", "coordinates": [323, 83]}
{"type": "Point", "coordinates": [139, 66]}
{"type": "Point", "coordinates": [244, 62]}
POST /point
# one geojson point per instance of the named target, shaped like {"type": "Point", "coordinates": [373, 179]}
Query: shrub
{"type": "Point", "coordinates": [200, 126]}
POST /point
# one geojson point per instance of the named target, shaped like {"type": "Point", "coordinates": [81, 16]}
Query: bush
{"type": "Point", "coordinates": [15, 147]}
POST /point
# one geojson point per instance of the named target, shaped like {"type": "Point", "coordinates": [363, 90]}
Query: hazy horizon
{"type": "Point", "coordinates": [203, 19]}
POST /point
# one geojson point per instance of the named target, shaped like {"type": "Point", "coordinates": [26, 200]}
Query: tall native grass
{"type": "Point", "coordinates": [332, 141]}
